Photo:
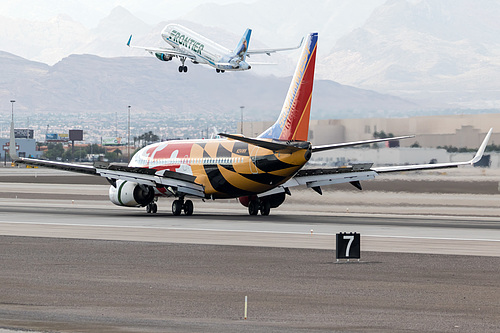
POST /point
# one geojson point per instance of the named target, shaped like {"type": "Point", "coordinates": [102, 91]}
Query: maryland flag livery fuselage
{"type": "Point", "coordinates": [259, 171]}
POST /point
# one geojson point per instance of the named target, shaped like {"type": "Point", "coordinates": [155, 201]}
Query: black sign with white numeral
{"type": "Point", "coordinates": [348, 245]}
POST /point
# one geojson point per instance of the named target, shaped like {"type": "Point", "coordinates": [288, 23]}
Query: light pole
{"type": "Point", "coordinates": [241, 122]}
{"type": "Point", "coordinates": [11, 133]}
{"type": "Point", "coordinates": [12, 101]}
{"type": "Point", "coordinates": [128, 138]}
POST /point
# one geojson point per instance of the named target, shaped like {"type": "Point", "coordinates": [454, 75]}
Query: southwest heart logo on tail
{"type": "Point", "coordinates": [293, 122]}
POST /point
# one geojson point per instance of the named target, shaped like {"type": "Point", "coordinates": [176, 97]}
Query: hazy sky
{"type": "Point", "coordinates": [90, 12]}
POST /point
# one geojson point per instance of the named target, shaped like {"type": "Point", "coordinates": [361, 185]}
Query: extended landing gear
{"type": "Point", "coordinates": [219, 70]}
{"type": "Point", "coordinates": [183, 68]}
{"type": "Point", "coordinates": [255, 206]}
{"type": "Point", "coordinates": [180, 205]}
{"type": "Point", "coordinates": [151, 208]}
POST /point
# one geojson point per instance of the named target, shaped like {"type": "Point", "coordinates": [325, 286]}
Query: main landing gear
{"type": "Point", "coordinates": [183, 68]}
{"type": "Point", "coordinates": [180, 205]}
{"type": "Point", "coordinates": [254, 206]}
{"type": "Point", "coordinates": [151, 208]}
{"type": "Point", "coordinates": [219, 70]}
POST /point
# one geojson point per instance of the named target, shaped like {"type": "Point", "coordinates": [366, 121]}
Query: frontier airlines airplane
{"type": "Point", "coordinates": [187, 44]}
{"type": "Point", "coordinates": [259, 171]}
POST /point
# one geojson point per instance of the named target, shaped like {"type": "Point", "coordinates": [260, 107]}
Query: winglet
{"type": "Point", "coordinates": [129, 40]}
{"type": "Point", "coordinates": [480, 151]}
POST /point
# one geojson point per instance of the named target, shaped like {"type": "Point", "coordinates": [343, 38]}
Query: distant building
{"type": "Point", "coordinates": [26, 148]}
{"type": "Point", "coordinates": [23, 133]}
{"type": "Point", "coordinates": [430, 131]}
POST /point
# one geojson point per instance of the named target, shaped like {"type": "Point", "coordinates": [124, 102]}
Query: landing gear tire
{"type": "Point", "coordinates": [181, 69]}
{"type": "Point", "coordinates": [177, 207]}
{"type": "Point", "coordinates": [151, 208]}
{"type": "Point", "coordinates": [185, 69]}
{"type": "Point", "coordinates": [217, 70]}
{"type": "Point", "coordinates": [253, 207]}
{"type": "Point", "coordinates": [188, 207]}
{"type": "Point", "coordinates": [222, 71]}
{"type": "Point", "coordinates": [265, 208]}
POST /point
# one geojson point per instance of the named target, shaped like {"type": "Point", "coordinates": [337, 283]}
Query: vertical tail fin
{"type": "Point", "coordinates": [241, 50]}
{"type": "Point", "coordinates": [293, 122]}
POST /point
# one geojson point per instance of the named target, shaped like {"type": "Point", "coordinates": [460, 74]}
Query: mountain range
{"type": "Point", "coordinates": [438, 54]}
{"type": "Point", "coordinates": [88, 83]}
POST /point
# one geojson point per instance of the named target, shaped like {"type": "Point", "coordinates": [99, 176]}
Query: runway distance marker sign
{"type": "Point", "coordinates": [348, 246]}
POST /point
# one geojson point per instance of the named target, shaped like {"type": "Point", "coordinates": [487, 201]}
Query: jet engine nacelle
{"type": "Point", "coordinates": [131, 194]}
{"type": "Point", "coordinates": [275, 200]}
{"type": "Point", "coordinates": [163, 57]}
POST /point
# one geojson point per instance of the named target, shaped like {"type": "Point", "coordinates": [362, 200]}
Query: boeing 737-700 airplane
{"type": "Point", "coordinates": [187, 44]}
{"type": "Point", "coordinates": [259, 171]}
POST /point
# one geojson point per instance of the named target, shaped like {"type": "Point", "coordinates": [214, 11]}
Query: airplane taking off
{"type": "Point", "coordinates": [258, 171]}
{"type": "Point", "coordinates": [187, 44]}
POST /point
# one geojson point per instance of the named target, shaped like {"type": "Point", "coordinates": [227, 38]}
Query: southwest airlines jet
{"type": "Point", "coordinates": [259, 171]}
{"type": "Point", "coordinates": [187, 44]}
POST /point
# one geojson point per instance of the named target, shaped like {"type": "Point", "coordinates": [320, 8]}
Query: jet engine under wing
{"type": "Point", "coordinates": [183, 183]}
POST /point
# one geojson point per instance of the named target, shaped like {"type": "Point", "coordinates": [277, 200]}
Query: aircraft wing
{"type": "Point", "coordinates": [167, 51]}
{"type": "Point", "coordinates": [269, 51]}
{"type": "Point", "coordinates": [314, 178]}
{"type": "Point", "coordinates": [475, 159]}
{"type": "Point", "coordinates": [181, 183]}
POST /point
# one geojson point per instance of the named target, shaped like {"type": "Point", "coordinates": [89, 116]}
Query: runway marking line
{"type": "Point", "coordinates": [250, 231]}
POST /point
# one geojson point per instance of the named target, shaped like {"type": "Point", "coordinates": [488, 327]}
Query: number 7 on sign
{"type": "Point", "coordinates": [348, 248]}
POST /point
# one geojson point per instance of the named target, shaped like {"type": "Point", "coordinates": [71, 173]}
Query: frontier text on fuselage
{"type": "Point", "coordinates": [188, 42]}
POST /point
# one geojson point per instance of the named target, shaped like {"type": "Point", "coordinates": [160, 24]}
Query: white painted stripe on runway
{"type": "Point", "coordinates": [250, 231]}
{"type": "Point", "coordinates": [434, 238]}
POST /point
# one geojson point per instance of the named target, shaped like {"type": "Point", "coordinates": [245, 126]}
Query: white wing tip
{"type": "Point", "coordinates": [480, 151]}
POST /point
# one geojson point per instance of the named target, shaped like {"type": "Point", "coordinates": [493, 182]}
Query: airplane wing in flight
{"type": "Point", "coordinates": [269, 51]}
{"type": "Point", "coordinates": [163, 52]}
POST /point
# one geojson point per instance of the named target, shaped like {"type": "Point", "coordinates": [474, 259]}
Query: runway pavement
{"type": "Point", "coordinates": [73, 262]}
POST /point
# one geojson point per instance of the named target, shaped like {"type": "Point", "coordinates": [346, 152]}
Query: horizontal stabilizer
{"type": "Point", "coordinates": [265, 144]}
{"type": "Point", "coordinates": [357, 143]}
